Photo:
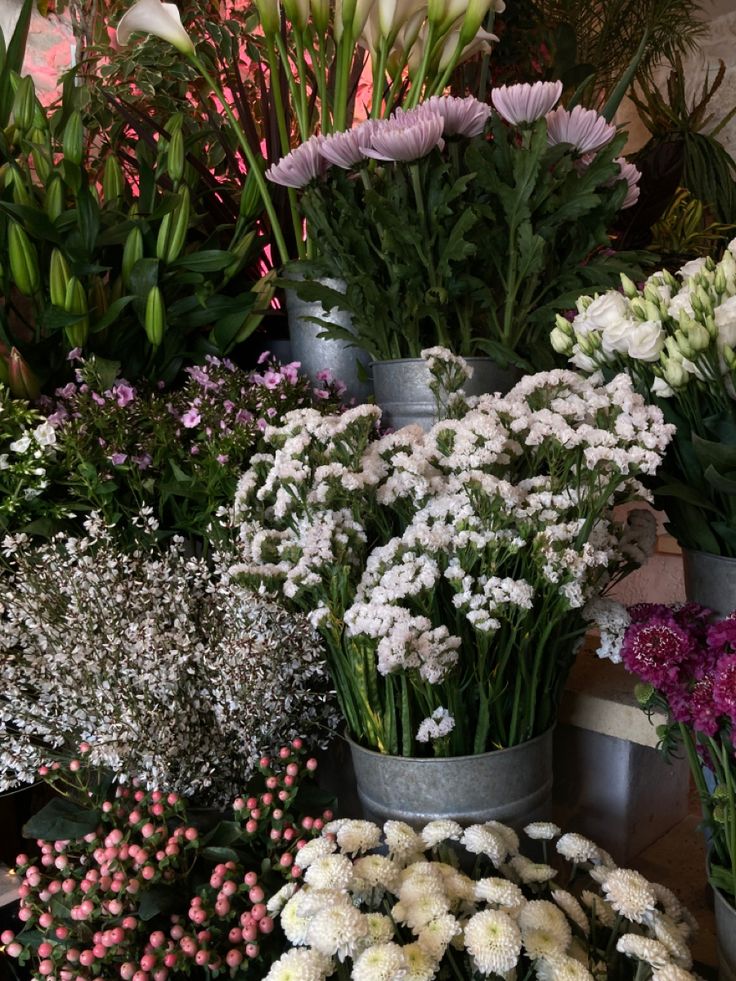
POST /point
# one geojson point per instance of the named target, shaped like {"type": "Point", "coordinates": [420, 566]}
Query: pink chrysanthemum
{"type": "Point", "coordinates": [301, 166]}
{"type": "Point", "coordinates": [462, 117]}
{"type": "Point", "coordinates": [724, 687]}
{"type": "Point", "coordinates": [525, 103]}
{"type": "Point", "coordinates": [657, 652]}
{"type": "Point", "coordinates": [406, 136]}
{"type": "Point", "coordinates": [346, 149]}
{"type": "Point", "coordinates": [585, 129]}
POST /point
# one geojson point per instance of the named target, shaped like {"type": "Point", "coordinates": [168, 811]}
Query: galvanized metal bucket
{"type": "Point", "coordinates": [402, 389]}
{"type": "Point", "coordinates": [317, 354]}
{"type": "Point", "coordinates": [510, 785]}
{"type": "Point", "coordinates": [726, 935]}
{"type": "Point", "coordinates": [710, 580]}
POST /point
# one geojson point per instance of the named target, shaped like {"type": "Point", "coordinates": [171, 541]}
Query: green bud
{"type": "Point", "coordinates": [23, 259]}
{"type": "Point", "coordinates": [97, 297]}
{"type": "Point", "coordinates": [638, 308]}
{"type": "Point", "coordinates": [59, 277]}
{"type": "Point", "coordinates": [54, 200]}
{"type": "Point", "coordinates": [719, 281]}
{"type": "Point", "coordinates": [132, 252]}
{"type": "Point", "coordinates": [175, 156]}
{"type": "Point", "coordinates": [674, 374]}
{"type": "Point", "coordinates": [629, 287]}
{"type": "Point", "coordinates": [41, 163]}
{"type": "Point", "coordinates": [155, 320]}
{"type": "Point", "coordinates": [684, 345]}
{"type": "Point", "coordinates": [564, 326]}
{"type": "Point", "coordinates": [251, 203]}
{"type": "Point", "coordinates": [710, 263]}
{"type": "Point", "coordinates": [704, 300]}
{"type": "Point", "coordinates": [652, 310]}
{"type": "Point", "coordinates": [73, 139]}
{"type": "Point", "coordinates": [24, 104]}
{"type": "Point", "coordinates": [698, 337]}
{"type": "Point", "coordinates": [643, 693]}
{"type": "Point", "coordinates": [172, 232]}
{"type": "Point", "coordinates": [76, 302]}
{"type": "Point", "coordinates": [113, 182]}
{"type": "Point", "coordinates": [561, 342]}
{"type": "Point", "coordinates": [729, 356]}
{"type": "Point", "coordinates": [20, 191]}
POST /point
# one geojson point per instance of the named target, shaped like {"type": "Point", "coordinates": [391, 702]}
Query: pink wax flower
{"type": "Point", "coordinates": [301, 166]}
{"type": "Point", "coordinates": [525, 103]}
{"type": "Point", "coordinates": [406, 136]}
{"type": "Point", "coordinates": [462, 117]}
{"type": "Point", "coordinates": [345, 149]}
{"type": "Point", "coordinates": [585, 129]}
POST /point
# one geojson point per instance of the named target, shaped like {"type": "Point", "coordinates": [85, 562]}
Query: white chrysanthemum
{"type": "Point", "coordinates": [458, 886]}
{"type": "Point", "coordinates": [435, 936]}
{"type": "Point", "coordinates": [529, 871]}
{"type": "Point", "coordinates": [577, 849]}
{"type": "Point", "coordinates": [671, 972]}
{"type": "Point", "coordinates": [480, 840]}
{"type": "Point", "coordinates": [424, 909]}
{"type": "Point", "coordinates": [373, 872]}
{"type": "Point", "coordinates": [569, 904]}
{"type": "Point", "coordinates": [402, 841]}
{"type": "Point", "coordinates": [499, 892]}
{"type": "Point", "coordinates": [436, 832]}
{"type": "Point", "coordinates": [301, 965]}
{"type": "Point", "coordinates": [508, 834]}
{"type": "Point", "coordinates": [542, 944]}
{"type": "Point", "coordinates": [294, 922]}
{"type": "Point", "coordinates": [332, 827]}
{"type": "Point", "coordinates": [416, 887]}
{"type": "Point", "coordinates": [600, 909]}
{"type": "Point", "coordinates": [383, 962]}
{"type": "Point", "coordinates": [542, 830]}
{"type": "Point", "coordinates": [493, 940]}
{"type": "Point", "coordinates": [540, 914]}
{"type": "Point", "coordinates": [314, 849]}
{"type": "Point", "coordinates": [338, 931]}
{"type": "Point", "coordinates": [276, 903]}
{"type": "Point", "coordinates": [629, 894]}
{"type": "Point", "coordinates": [562, 969]}
{"type": "Point", "coordinates": [669, 934]}
{"type": "Point", "coordinates": [358, 836]}
{"type": "Point", "coordinates": [667, 900]}
{"type": "Point", "coordinates": [645, 949]}
{"type": "Point", "coordinates": [380, 928]}
{"type": "Point", "coordinates": [420, 965]}
{"type": "Point", "coordinates": [330, 872]}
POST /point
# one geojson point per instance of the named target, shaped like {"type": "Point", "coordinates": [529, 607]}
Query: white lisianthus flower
{"type": "Point", "coordinates": [646, 341]}
{"type": "Point", "coordinates": [692, 268]}
{"type": "Point", "coordinates": [616, 338]}
{"type": "Point", "coordinates": [494, 941]}
{"type": "Point", "coordinates": [608, 311]}
{"type": "Point", "coordinates": [681, 303]}
{"type": "Point", "coordinates": [725, 318]}
{"type": "Point", "coordinates": [661, 389]}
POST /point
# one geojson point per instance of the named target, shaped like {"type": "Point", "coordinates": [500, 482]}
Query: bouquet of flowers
{"type": "Point", "coordinates": [170, 672]}
{"type": "Point", "coordinates": [410, 912]}
{"type": "Point", "coordinates": [447, 571]}
{"type": "Point", "coordinates": [132, 883]}
{"type": "Point", "coordinates": [455, 225]}
{"type": "Point", "coordinates": [121, 447]}
{"type": "Point", "coordinates": [686, 666]}
{"type": "Point", "coordinates": [676, 338]}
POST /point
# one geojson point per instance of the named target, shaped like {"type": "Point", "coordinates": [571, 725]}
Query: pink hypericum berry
{"type": "Point", "coordinates": [250, 930]}
{"type": "Point", "coordinates": [46, 967]}
{"type": "Point", "coordinates": [307, 823]}
{"type": "Point", "coordinates": [255, 813]}
{"type": "Point", "coordinates": [14, 949]}
{"type": "Point", "coordinates": [45, 949]}
{"type": "Point", "coordinates": [201, 957]}
{"type": "Point", "coordinates": [266, 925]}
{"type": "Point", "coordinates": [72, 955]}
{"type": "Point", "coordinates": [45, 920]}
{"type": "Point", "coordinates": [188, 946]}
{"type": "Point", "coordinates": [318, 824]}
{"type": "Point", "coordinates": [327, 815]}
{"type": "Point", "coordinates": [141, 976]}
{"type": "Point", "coordinates": [99, 950]}
{"type": "Point", "coordinates": [191, 834]}
{"type": "Point", "coordinates": [275, 834]}
{"type": "Point", "coordinates": [135, 817]}
{"type": "Point", "coordinates": [7, 937]}
{"type": "Point", "coordinates": [172, 849]}
{"type": "Point", "coordinates": [235, 935]}
{"type": "Point", "coordinates": [86, 958]}
{"type": "Point", "coordinates": [264, 762]}
{"type": "Point", "coordinates": [256, 894]}
{"type": "Point", "coordinates": [311, 764]}
{"type": "Point", "coordinates": [283, 795]}
{"type": "Point", "coordinates": [292, 769]}
{"type": "Point", "coordinates": [43, 771]}
{"type": "Point", "coordinates": [172, 799]}
{"type": "Point", "coordinates": [148, 830]}
{"type": "Point", "coordinates": [133, 887]}
{"type": "Point", "coordinates": [177, 932]}
{"type": "Point", "coordinates": [158, 810]}
{"type": "Point", "coordinates": [24, 915]}
{"type": "Point", "coordinates": [74, 766]}
{"type": "Point", "coordinates": [106, 807]}
{"type": "Point", "coordinates": [258, 911]}
{"type": "Point", "coordinates": [284, 753]}
{"type": "Point", "coordinates": [129, 923]}
{"type": "Point", "coordinates": [251, 950]}
{"type": "Point", "coordinates": [229, 888]}
{"type": "Point", "coordinates": [170, 960]}
{"type": "Point", "coordinates": [215, 880]}
{"type": "Point", "coordinates": [297, 743]}
{"type": "Point", "coordinates": [251, 826]}
{"type": "Point", "coordinates": [61, 932]}
{"type": "Point", "coordinates": [267, 800]}
{"type": "Point", "coordinates": [277, 814]}
{"type": "Point", "coordinates": [296, 871]}
{"type": "Point", "coordinates": [161, 974]}
{"type": "Point", "coordinates": [222, 907]}
{"type": "Point", "coordinates": [289, 781]}
{"type": "Point", "coordinates": [238, 804]}
{"type": "Point", "coordinates": [138, 796]}
{"type": "Point", "coordinates": [198, 916]}
{"type": "Point", "coordinates": [148, 962]}
{"type": "Point", "coordinates": [233, 958]}
{"type": "Point", "coordinates": [272, 783]}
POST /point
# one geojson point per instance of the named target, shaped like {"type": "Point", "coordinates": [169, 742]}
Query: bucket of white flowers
{"type": "Point", "coordinates": [447, 573]}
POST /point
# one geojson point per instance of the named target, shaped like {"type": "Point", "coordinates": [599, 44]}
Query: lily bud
{"type": "Point", "coordinates": [132, 252]}
{"type": "Point", "coordinates": [473, 20]}
{"type": "Point", "coordinates": [53, 202]}
{"type": "Point", "coordinates": [59, 277]}
{"type": "Point", "coordinates": [73, 139]}
{"type": "Point", "coordinates": [629, 287]}
{"type": "Point", "coordinates": [113, 182]}
{"type": "Point", "coordinates": [175, 155]}
{"type": "Point", "coordinates": [320, 15]}
{"type": "Point", "coordinates": [155, 319]}
{"type": "Point", "coordinates": [24, 104]}
{"type": "Point", "coordinates": [561, 342]}
{"type": "Point", "coordinates": [22, 382]}
{"type": "Point", "coordinates": [172, 232]}
{"type": "Point", "coordinates": [297, 11]}
{"type": "Point", "coordinates": [76, 302]}
{"type": "Point", "coordinates": [269, 14]}
{"type": "Point", "coordinates": [23, 260]}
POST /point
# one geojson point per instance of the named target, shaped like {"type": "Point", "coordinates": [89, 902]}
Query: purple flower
{"type": "Point", "coordinates": [657, 651]}
{"type": "Point", "coordinates": [271, 379]}
{"type": "Point", "coordinates": [243, 417]}
{"type": "Point", "coordinates": [722, 636]}
{"type": "Point", "coordinates": [222, 458]}
{"type": "Point", "coordinates": [641, 612]}
{"type": "Point", "coordinates": [525, 103]}
{"type": "Point", "coordinates": [123, 393]}
{"type": "Point", "coordinates": [68, 391]}
{"type": "Point", "coordinates": [345, 149]}
{"type": "Point", "coordinates": [75, 354]}
{"type": "Point", "coordinates": [702, 706]}
{"type": "Point", "coordinates": [191, 418]}
{"type": "Point", "coordinates": [724, 686]}
{"type": "Point", "coordinates": [301, 166]}
{"type": "Point", "coordinates": [264, 357]}
{"type": "Point", "coordinates": [291, 372]}
{"type": "Point", "coordinates": [99, 399]}
{"type": "Point", "coordinates": [406, 136]}
{"type": "Point", "coordinates": [118, 459]}
{"type": "Point", "coordinates": [462, 117]}
{"type": "Point", "coordinates": [143, 462]}
{"type": "Point", "coordinates": [585, 129]}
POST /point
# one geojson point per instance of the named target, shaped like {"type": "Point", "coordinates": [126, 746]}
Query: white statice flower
{"type": "Point", "coordinates": [645, 949]}
{"type": "Point", "coordinates": [629, 894]}
{"type": "Point", "coordinates": [439, 724]}
{"type": "Point", "coordinates": [577, 849]}
{"type": "Point", "coordinates": [493, 940]}
{"type": "Point", "coordinates": [530, 872]}
{"type": "Point", "coordinates": [435, 832]}
{"type": "Point", "coordinates": [355, 837]}
{"type": "Point", "coordinates": [611, 619]}
{"type": "Point", "coordinates": [572, 908]}
{"type": "Point", "coordinates": [301, 965]}
{"type": "Point", "coordinates": [382, 962]}
{"type": "Point", "coordinates": [542, 830]}
{"type": "Point", "coordinates": [330, 872]}
{"type": "Point", "coordinates": [315, 849]}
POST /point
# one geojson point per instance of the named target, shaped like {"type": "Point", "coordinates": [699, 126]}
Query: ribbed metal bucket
{"type": "Point", "coordinates": [401, 388]}
{"type": "Point", "coordinates": [510, 785]}
{"type": "Point", "coordinates": [710, 580]}
{"type": "Point", "coordinates": [317, 354]}
{"type": "Point", "coordinates": [726, 934]}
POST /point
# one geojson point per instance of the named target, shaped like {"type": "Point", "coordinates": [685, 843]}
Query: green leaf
{"type": "Point", "coordinates": [160, 899]}
{"type": "Point", "coordinates": [683, 492]}
{"type": "Point", "coordinates": [721, 482]}
{"type": "Point", "coordinates": [209, 260]}
{"type": "Point", "coordinates": [112, 313]}
{"type": "Point", "coordinates": [61, 819]}
{"type": "Point", "coordinates": [720, 455]}
{"type": "Point", "coordinates": [218, 853]}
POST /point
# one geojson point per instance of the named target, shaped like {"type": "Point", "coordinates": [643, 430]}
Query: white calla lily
{"type": "Point", "coordinates": [160, 19]}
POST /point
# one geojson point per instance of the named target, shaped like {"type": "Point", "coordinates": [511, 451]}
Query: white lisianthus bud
{"type": "Point", "coordinates": [725, 321]}
{"type": "Point", "coordinates": [704, 300]}
{"type": "Point", "coordinates": [661, 389]}
{"type": "Point", "coordinates": [680, 303]}
{"type": "Point", "coordinates": [652, 310]}
{"type": "Point", "coordinates": [729, 357]}
{"type": "Point", "coordinates": [583, 302]}
{"type": "Point", "coordinates": [582, 361]}
{"type": "Point", "coordinates": [698, 336]}
{"type": "Point", "coordinates": [638, 308]}
{"type": "Point", "coordinates": [564, 325]}
{"type": "Point", "coordinates": [628, 286]}
{"type": "Point", "coordinates": [719, 281]}
{"type": "Point", "coordinates": [728, 265]}
{"type": "Point", "coordinates": [675, 374]}
{"type": "Point", "coordinates": [646, 341]}
{"type": "Point", "coordinates": [683, 345]}
{"type": "Point", "coordinates": [561, 342]}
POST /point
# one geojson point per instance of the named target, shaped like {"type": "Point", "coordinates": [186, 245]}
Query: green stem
{"type": "Point", "coordinates": [302, 70]}
{"type": "Point", "coordinates": [345, 48]}
{"type": "Point", "coordinates": [379, 80]}
{"type": "Point", "coordinates": [249, 156]}
{"type": "Point", "coordinates": [294, 90]}
{"type": "Point", "coordinates": [324, 99]}
{"type": "Point", "coordinates": [418, 80]}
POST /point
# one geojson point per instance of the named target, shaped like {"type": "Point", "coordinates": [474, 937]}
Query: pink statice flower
{"type": "Point", "coordinates": [658, 651]}
{"type": "Point", "coordinates": [345, 149]}
{"type": "Point", "coordinates": [406, 136]}
{"type": "Point", "coordinates": [524, 103]}
{"type": "Point", "coordinates": [462, 117]}
{"type": "Point", "coordinates": [301, 166]}
{"type": "Point", "coordinates": [724, 687]}
{"type": "Point", "coordinates": [585, 129]}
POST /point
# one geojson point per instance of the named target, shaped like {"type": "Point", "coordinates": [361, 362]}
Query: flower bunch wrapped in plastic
{"type": "Point", "coordinates": [133, 883]}
{"type": "Point", "coordinates": [455, 224]}
{"type": "Point", "coordinates": [447, 571]}
{"type": "Point", "coordinates": [170, 672]}
{"type": "Point", "coordinates": [686, 666]}
{"type": "Point", "coordinates": [409, 912]}
{"type": "Point", "coordinates": [676, 338]}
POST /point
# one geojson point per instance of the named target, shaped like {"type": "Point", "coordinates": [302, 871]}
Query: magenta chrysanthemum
{"type": "Point", "coordinates": [525, 103]}
{"type": "Point", "coordinates": [299, 167]}
{"type": "Point", "coordinates": [585, 129]}
{"type": "Point", "coordinates": [406, 136]}
{"type": "Point", "coordinates": [724, 687]}
{"type": "Point", "coordinates": [462, 117]}
{"type": "Point", "coordinates": [346, 149]}
{"type": "Point", "coordinates": [657, 651]}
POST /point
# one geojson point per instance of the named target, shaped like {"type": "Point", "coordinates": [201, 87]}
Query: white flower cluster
{"type": "Point", "coordinates": [410, 912]}
{"type": "Point", "coordinates": [173, 673]}
{"type": "Point", "coordinates": [428, 547]}
{"type": "Point", "coordinates": [672, 334]}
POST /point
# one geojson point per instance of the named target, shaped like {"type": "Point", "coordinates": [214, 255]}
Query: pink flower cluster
{"type": "Point", "coordinates": [690, 661]}
{"type": "Point", "coordinates": [87, 897]}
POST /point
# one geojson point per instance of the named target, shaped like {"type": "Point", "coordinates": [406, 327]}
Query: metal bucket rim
{"type": "Point", "coordinates": [711, 556]}
{"type": "Point", "coordinates": [397, 361]}
{"type": "Point", "coordinates": [447, 759]}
